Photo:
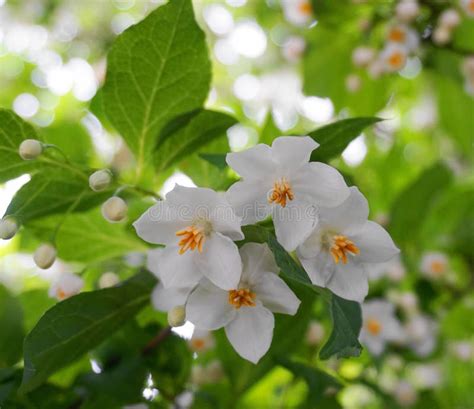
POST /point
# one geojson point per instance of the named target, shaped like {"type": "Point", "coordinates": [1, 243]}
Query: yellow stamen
{"type": "Point", "coordinates": [60, 294]}
{"type": "Point", "coordinates": [192, 237]}
{"type": "Point", "coordinates": [471, 6]}
{"type": "Point", "coordinates": [281, 193]}
{"type": "Point", "coordinates": [374, 326]}
{"type": "Point", "coordinates": [242, 297]}
{"type": "Point", "coordinates": [396, 59]}
{"type": "Point", "coordinates": [437, 267]}
{"type": "Point", "coordinates": [342, 245]}
{"type": "Point", "coordinates": [397, 35]}
{"type": "Point", "coordinates": [305, 8]}
{"type": "Point", "coordinates": [198, 344]}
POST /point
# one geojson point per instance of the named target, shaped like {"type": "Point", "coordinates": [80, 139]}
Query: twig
{"type": "Point", "coordinates": [160, 337]}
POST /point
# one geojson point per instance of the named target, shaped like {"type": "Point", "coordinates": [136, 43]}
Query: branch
{"type": "Point", "coordinates": [160, 337]}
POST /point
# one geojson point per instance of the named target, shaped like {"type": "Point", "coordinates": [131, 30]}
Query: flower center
{"type": "Point", "coordinates": [437, 267]}
{"type": "Point", "coordinates": [471, 6]}
{"type": "Point", "coordinates": [192, 237]}
{"type": "Point", "coordinates": [396, 59]}
{"type": "Point", "coordinates": [374, 326]}
{"type": "Point", "coordinates": [305, 8]}
{"type": "Point", "coordinates": [198, 344]}
{"type": "Point", "coordinates": [242, 297]}
{"type": "Point", "coordinates": [61, 294]}
{"type": "Point", "coordinates": [281, 193]}
{"type": "Point", "coordinates": [340, 247]}
{"type": "Point", "coordinates": [397, 35]}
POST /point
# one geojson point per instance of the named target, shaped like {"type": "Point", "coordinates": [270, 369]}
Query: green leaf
{"type": "Point", "coordinates": [347, 321]}
{"type": "Point", "coordinates": [463, 35]}
{"type": "Point", "coordinates": [35, 303]}
{"type": "Point", "coordinates": [11, 324]}
{"type": "Point", "coordinates": [51, 192]}
{"type": "Point", "coordinates": [13, 130]}
{"type": "Point", "coordinates": [157, 70]}
{"type": "Point", "coordinates": [78, 324]}
{"type": "Point", "coordinates": [335, 137]}
{"type": "Point", "coordinates": [88, 237]}
{"type": "Point", "coordinates": [216, 159]}
{"type": "Point", "coordinates": [199, 131]}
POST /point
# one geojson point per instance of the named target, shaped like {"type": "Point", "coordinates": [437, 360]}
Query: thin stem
{"type": "Point", "coordinates": [157, 340]}
{"type": "Point", "coordinates": [57, 148]}
{"type": "Point", "coordinates": [139, 190]}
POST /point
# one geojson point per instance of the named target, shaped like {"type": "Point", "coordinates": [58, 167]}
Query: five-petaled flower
{"type": "Point", "coordinates": [335, 255]}
{"type": "Point", "coordinates": [246, 310]}
{"type": "Point", "coordinates": [198, 227]}
{"type": "Point", "coordinates": [280, 180]}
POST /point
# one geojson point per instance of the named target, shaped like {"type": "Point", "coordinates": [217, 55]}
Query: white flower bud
{"type": "Point", "coordinates": [353, 83]}
{"type": "Point", "coordinates": [108, 279]}
{"type": "Point", "coordinates": [315, 333]}
{"type": "Point", "coordinates": [177, 316]}
{"type": "Point", "coordinates": [441, 35]}
{"type": "Point", "coordinates": [407, 10]}
{"type": "Point", "coordinates": [100, 180]}
{"type": "Point", "coordinates": [405, 394]}
{"type": "Point", "coordinates": [376, 69]}
{"type": "Point", "coordinates": [8, 228]}
{"type": "Point", "coordinates": [449, 19]}
{"type": "Point", "coordinates": [362, 56]}
{"type": "Point", "coordinates": [44, 256]}
{"type": "Point", "coordinates": [30, 149]}
{"type": "Point", "coordinates": [114, 209]}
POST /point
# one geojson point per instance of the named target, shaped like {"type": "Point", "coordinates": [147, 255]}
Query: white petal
{"type": "Point", "coordinates": [254, 163]}
{"type": "Point", "coordinates": [194, 197]}
{"type": "Point", "coordinates": [375, 345]}
{"type": "Point", "coordinates": [275, 295]}
{"type": "Point", "coordinates": [349, 281]}
{"type": "Point", "coordinates": [256, 260]}
{"type": "Point", "coordinates": [178, 270]}
{"type": "Point", "coordinates": [313, 245]}
{"type": "Point", "coordinates": [152, 261]}
{"type": "Point", "coordinates": [224, 220]}
{"type": "Point", "coordinates": [374, 243]}
{"type": "Point", "coordinates": [251, 332]}
{"type": "Point", "coordinates": [320, 184]}
{"type": "Point", "coordinates": [320, 268]}
{"type": "Point", "coordinates": [294, 223]}
{"type": "Point", "coordinates": [220, 261]}
{"type": "Point", "coordinates": [293, 151]}
{"type": "Point", "coordinates": [159, 224]}
{"type": "Point", "coordinates": [164, 299]}
{"type": "Point", "coordinates": [348, 217]}
{"type": "Point", "coordinates": [250, 200]}
{"type": "Point", "coordinates": [208, 306]}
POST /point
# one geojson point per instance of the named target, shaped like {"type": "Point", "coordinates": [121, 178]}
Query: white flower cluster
{"type": "Point", "coordinates": [203, 273]}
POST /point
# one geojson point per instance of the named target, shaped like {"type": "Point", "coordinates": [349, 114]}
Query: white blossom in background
{"type": "Point", "coordinates": [462, 350]}
{"type": "Point", "coordinates": [404, 36]}
{"type": "Point", "coordinates": [280, 180]}
{"type": "Point", "coordinates": [406, 300]}
{"type": "Point", "coordinates": [468, 7]}
{"type": "Point", "coordinates": [343, 243]}
{"type": "Point", "coordinates": [65, 285]}
{"type": "Point", "coordinates": [201, 341]}
{"type": "Point", "coordinates": [405, 394]}
{"type": "Point", "coordinates": [315, 333]}
{"type": "Point", "coordinates": [407, 10]}
{"type": "Point", "coordinates": [394, 57]}
{"type": "Point", "coordinates": [362, 56]}
{"type": "Point", "coordinates": [246, 311]}
{"type": "Point", "coordinates": [298, 12]}
{"type": "Point", "coordinates": [293, 48]}
{"type": "Point", "coordinates": [379, 326]}
{"type": "Point", "coordinates": [353, 83]}
{"type": "Point", "coordinates": [434, 265]}
{"type": "Point", "coordinates": [449, 18]}
{"type": "Point", "coordinates": [421, 332]}
{"type": "Point", "coordinates": [467, 69]}
{"type": "Point", "coordinates": [426, 375]}
{"type": "Point", "coordinates": [198, 227]}
{"type": "Point", "coordinates": [393, 269]}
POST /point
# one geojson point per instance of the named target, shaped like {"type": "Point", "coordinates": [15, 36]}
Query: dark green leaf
{"type": "Point", "coordinates": [216, 159]}
{"type": "Point", "coordinates": [78, 324]}
{"type": "Point", "coordinates": [200, 130]}
{"type": "Point", "coordinates": [35, 303]}
{"type": "Point", "coordinates": [157, 70]}
{"type": "Point", "coordinates": [335, 137]}
{"type": "Point", "coordinates": [11, 324]}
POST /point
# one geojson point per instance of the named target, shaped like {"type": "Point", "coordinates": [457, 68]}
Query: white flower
{"type": "Point", "coordinates": [468, 7]}
{"type": "Point", "coordinates": [405, 394]}
{"type": "Point", "coordinates": [421, 331]}
{"type": "Point", "coordinates": [394, 57]}
{"type": "Point", "coordinates": [353, 83]}
{"type": "Point", "coordinates": [434, 265]}
{"type": "Point", "coordinates": [363, 56]}
{"type": "Point", "coordinates": [66, 285]}
{"type": "Point", "coordinates": [201, 341]}
{"type": "Point", "coordinates": [45, 256]}
{"type": "Point", "coordinates": [407, 10]}
{"type": "Point", "coordinates": [245, 311]}
{"type": "Point", "coordinates": [30, 149]}
{"type": "Point", "coordinates": [278, 180]}
{"type": "Point", "coordinates": [198, 227]}
{"type": "Point", "coordinates": [298, 12]}
{"type": "Point", "coordinates": [426, 376]}
{"type": "Point", "coordinates": [335, 255]}
{"type": "Point", "coordinates": [403, 35]}
{"type": "Point", "coordinates": [442, 35]}
{"type": "Point", "coordinates": [449, 18]}
{"type": "Point", "coordinates": [393, 269]}
{"type": "Point", "coordinates": [379, 326]}
{"type": "Point", "coordinates": [462, 350]}
{"type": "Point", "coordinates": [293, 48]}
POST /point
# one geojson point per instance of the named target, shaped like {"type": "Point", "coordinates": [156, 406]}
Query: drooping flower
{"type": "Point", "coordinates": [394, 57]}
{"type": "Point", "coordinates": [246, 311]}
{"type": "Point", "coordinates": [201, 341]}
{"type": "Point", "coordinates": [279, 180]}
{"type": "Point", "coordinates": [344, 242]}
{"type": "Point", "coordinates": [403, 35]}
{"type": "Point", "coordinates": [379, 326]}
{"type": "Point", "coordinates": [66, 285]}
{"type": "Point", "coordinates": [298, 12]}
{"type": "Point", "coordinates": [198, 227]}
{"type": "Point", "coordinates": [434, 265]}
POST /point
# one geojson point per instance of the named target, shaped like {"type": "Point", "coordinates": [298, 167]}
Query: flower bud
{"type": "Point", "coordinates": [214, 371]}
{"type": "Point", "coordinates": [315, 333]}
{"type": "Point", "coordinates": [114, 209]}
{"type": "Point", "coordinates": [100, 180]}
{"type": "Point", "coordinates": [441, 35]}
{"type": "Point", "coordinates": [449, 19]}
{"type": "Point", "coordinates": [177, 316]}
{"type": "Point", "coordinates": [108, 279]}
{"type": "Point", "coordinates": [407, 10]}
{"type": "Point", "coordinates": [362, 56]}
{"type": "Point", "coordinates": [30, 149]}
{"type": "Point", "coordinates": [8, 228]}
{"type": "Point", "coordinates": [44, 256]}
{"type": "Point", "coordinates": [353, 83]}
